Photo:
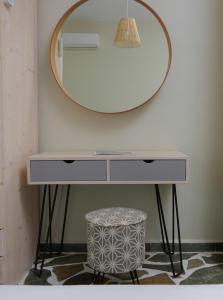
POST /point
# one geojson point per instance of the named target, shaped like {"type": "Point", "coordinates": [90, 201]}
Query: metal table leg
{"type": "Point", "coordinates": [50, 213]}
{"type": "Point", "coordinates": [168, 248]}
{"type": "Point", "coordinates": [51, 209]}
{"type": "Point", "coordinates": [64, 219]}
{"type": "Point", "coordinates": [40, 227]}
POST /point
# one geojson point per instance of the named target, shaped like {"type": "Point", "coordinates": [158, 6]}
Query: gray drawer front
{"type": "Point", "coordinates": [59, 170]}
{"type": "Point", "coordinates": [156, 170]}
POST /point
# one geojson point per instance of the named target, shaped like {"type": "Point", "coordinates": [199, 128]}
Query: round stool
{"type": "Point", "coordinates": [116, 240]}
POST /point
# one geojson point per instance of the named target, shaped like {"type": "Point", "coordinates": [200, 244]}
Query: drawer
{"type": "Point", "coordinates": [148, 170]}
{"type": "Point", "coordinates": [59, 170]}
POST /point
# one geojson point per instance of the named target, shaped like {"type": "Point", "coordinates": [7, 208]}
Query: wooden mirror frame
{"type": "Point", "coordinates": [53, 49]}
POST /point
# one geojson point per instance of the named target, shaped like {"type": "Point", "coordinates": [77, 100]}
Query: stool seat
{"type": "Point", "coordinates": [116, 239]}
{"type": "Point", "coordinates": [116, 216]}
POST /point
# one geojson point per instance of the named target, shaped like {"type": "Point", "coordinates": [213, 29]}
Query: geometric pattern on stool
{"type": "Point", "coordinates": [116, 239]}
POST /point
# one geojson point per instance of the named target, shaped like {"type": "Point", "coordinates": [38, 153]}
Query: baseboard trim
{"type": "Point", "coordinates": [150, 247]}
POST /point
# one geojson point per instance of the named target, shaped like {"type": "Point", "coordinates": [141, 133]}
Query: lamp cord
{"type": "Point", "coordinates": [127, 15]}
{"type": "Point", "coordinates": [127, 8]}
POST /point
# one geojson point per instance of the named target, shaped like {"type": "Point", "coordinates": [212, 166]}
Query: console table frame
{"type": "Point", "coordinates": [50, 194]}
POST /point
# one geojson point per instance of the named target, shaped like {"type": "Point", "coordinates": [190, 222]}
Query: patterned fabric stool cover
{"type": "Point", "coordinates": [116, 239]}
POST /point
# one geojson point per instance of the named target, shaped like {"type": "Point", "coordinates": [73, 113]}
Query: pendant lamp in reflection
{"type": "Point", "coordinates": [127, 35]}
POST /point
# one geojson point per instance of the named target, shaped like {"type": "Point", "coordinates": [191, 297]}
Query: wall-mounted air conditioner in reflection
{"type": "Point", "coordinates": [80, 40]}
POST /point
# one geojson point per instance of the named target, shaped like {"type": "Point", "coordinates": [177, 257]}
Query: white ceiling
{"type": "Point", "coordinates": [110, 10]}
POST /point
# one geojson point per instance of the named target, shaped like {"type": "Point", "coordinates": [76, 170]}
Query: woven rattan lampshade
{"type": "Point", "coordinates": [127, 35]}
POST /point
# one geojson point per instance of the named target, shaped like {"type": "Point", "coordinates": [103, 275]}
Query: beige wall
{"type": "Point", "coordinates": [18, 136]}
{"type": "Point", "coordinates": [186, 114]}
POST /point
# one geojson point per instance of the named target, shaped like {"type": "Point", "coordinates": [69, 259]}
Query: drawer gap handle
{"type": "Point", "coordinates": [69, 161]}
{"type": "Point", "coordinates": [148, 161]}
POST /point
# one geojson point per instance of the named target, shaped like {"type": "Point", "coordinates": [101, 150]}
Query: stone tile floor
{"type": "Point", "coordinates": [72, 269]}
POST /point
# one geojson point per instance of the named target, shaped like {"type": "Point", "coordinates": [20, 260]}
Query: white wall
{"type": "Point", "coordinates": [186, 115]}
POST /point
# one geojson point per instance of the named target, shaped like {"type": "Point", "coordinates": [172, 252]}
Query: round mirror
{"type": "Point", "coordinates": [110, 56]}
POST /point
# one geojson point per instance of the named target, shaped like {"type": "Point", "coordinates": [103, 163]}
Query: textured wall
{"type": "Point", "coordinates": [18, 135]}
{"type": "Point", "coordinates": [186, 114]}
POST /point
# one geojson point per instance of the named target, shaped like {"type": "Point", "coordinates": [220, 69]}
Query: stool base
{"type": "Point", "coordinates": [98, 277]}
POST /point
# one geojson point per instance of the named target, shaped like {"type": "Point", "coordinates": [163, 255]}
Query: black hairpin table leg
{"type": "Point", "coordinates": [50, 215]}
{"type": "Point", "coordinates": [40, 227]}
{"type": "Point", "coordinates": [168, 248]}
{"type": "Point", "coordinates": [64, 219]}
{"type": "Point", "coordinates": [49, 230]}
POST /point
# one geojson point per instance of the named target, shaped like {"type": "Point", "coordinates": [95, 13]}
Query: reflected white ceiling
{"type": "Point", "coordinates": [111, 10]}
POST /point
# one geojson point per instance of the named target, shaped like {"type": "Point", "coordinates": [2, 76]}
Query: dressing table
{"type": "Point", "coordinates": [86, 167]}
{"type": "Point", "coordinates": [112, 76]}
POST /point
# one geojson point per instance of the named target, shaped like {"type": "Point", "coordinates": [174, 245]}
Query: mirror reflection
{"type": "Point", "coordinates": [112, 55]}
